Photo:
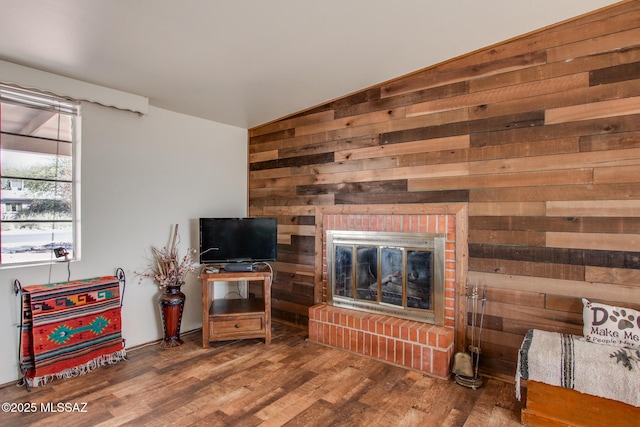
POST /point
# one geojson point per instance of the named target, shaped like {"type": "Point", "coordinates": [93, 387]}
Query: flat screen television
{"type": "Point", "coordinates": [238, 240]}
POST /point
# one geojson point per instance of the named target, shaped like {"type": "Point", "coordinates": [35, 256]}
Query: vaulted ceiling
{"type": "Point", "coordinates": [247, 62]}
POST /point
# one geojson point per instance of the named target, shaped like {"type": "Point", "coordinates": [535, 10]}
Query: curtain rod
{"type": "Point", "coordinates": [49, 83]}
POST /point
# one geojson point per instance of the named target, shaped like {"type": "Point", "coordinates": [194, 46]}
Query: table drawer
{"type": "Point", "coordinates": [236, 325]}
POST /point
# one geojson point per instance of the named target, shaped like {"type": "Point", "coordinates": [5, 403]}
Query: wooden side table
{"type": "Point", "coordinates": [232, 319]}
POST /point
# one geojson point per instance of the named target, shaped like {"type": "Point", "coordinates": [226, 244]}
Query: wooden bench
{"type": "Point", "coordinates": [586, 385]}
{"type": "Point", "coordinates": [548, 405]}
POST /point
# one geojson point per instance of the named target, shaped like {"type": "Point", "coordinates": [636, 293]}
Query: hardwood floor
{"type": "Point", "coordinates": [290, 382]}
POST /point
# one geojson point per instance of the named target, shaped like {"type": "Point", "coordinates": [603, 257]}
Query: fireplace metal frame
{"type": "Point", "coordinates": [433, 242]}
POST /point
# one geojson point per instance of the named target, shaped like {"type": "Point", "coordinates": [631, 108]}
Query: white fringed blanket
{"type": "Point", "coordinates": [569, 361]}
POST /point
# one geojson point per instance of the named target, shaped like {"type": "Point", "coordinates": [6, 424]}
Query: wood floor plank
{"type": "Point", "coordinates": [291, 382]}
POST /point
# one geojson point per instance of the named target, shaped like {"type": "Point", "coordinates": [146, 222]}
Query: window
{"type": "Point", "coordinates": [38, 136]}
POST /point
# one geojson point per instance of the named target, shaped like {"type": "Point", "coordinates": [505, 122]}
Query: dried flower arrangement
{"type": "Point", "coordinates": [167, 268]}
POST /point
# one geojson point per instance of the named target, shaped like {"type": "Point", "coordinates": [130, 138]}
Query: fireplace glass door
{"type": "Point", "coordinates": [366, 273]}
{"type": "Point", "coordinates": [392, 274]}
{"type": "Point", "coordinates": [344, 267]}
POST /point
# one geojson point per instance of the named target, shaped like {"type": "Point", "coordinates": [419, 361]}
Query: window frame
{"type": "Point", "coordinates": [60, 106]}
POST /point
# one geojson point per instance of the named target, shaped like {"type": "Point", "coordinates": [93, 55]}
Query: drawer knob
{"type": "Point", "coordinates": [237, 326]}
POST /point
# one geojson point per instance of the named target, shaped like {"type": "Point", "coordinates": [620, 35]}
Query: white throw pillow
{"type": "Point", "coordinates": [609, 325]}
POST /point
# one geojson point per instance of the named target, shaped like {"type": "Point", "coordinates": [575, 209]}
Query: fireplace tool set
{"type": "Point", "coordinates": [465, 365]}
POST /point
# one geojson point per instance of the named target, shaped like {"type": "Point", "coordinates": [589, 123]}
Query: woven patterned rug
{"type": "Point", "coordinates": [70, 328]}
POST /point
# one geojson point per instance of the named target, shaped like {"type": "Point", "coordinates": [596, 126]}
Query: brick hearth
{"type": "Point", "coordinates": [415, 345]}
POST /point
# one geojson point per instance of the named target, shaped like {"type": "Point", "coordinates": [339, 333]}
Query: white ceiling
{"type": "Point", "coordinates": [247, 62]}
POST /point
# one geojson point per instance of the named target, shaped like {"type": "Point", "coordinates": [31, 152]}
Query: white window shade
{"type": "Point", "coordinates": [30, 78]}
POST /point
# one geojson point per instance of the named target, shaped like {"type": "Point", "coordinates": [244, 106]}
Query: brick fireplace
{"type": "Point", "coordinates": [417, 344]}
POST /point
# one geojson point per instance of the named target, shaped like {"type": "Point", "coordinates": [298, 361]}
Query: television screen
{"type": "Point", "coordinates": [225, 240]}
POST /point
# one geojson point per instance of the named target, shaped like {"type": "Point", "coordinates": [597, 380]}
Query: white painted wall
{"type": "Point", "coordinates": [140, 174]}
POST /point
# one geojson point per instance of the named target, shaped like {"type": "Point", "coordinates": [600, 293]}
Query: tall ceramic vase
{"type": "Point", "coordinates": [171, 305]}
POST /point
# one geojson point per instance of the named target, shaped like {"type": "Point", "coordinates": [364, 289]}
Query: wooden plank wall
{"type": "Point", "coordinates": [540, 135]}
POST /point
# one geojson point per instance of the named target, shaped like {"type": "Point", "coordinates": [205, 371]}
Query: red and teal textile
{"type": "Point", "coordinates": [70, 328]}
